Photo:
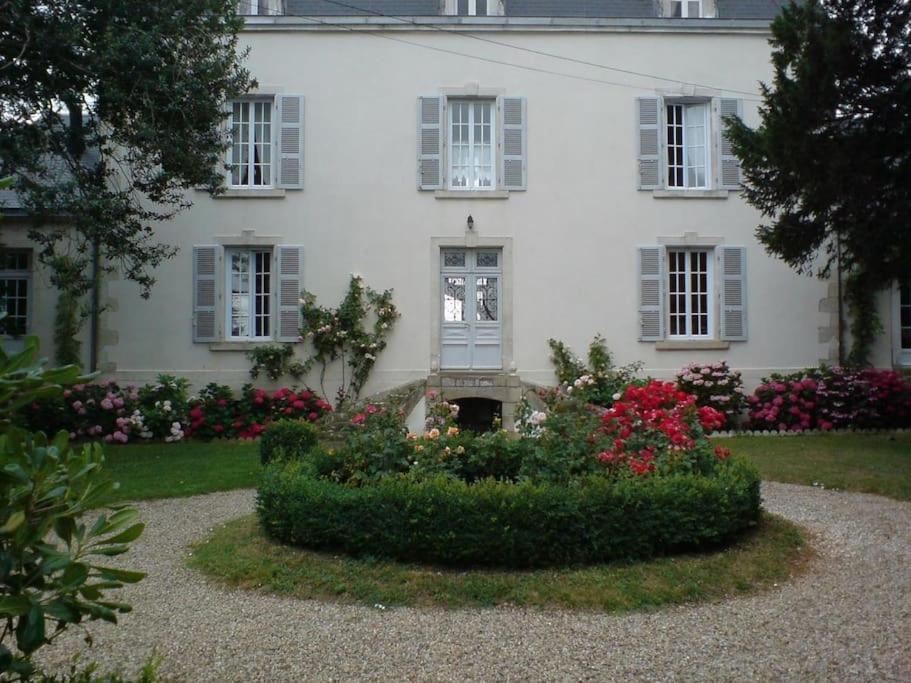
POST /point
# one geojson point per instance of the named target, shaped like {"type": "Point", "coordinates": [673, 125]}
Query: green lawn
{"type": "Point", "coordinates": [240, 555]}
{"type": "Point", "coordinates": [171, 470]}
{"type": "Point", "coordinates": [870, 463]}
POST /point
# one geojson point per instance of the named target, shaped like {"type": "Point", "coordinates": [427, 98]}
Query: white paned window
{"type": "Point", "coordinates": [250, 155]}
{"type": "Point", "coordinates": [687, 145]}
{"type": "Point", "coordinates": [472, 145]}
{"type": "Point", "coordinates": [904, 316]}
{"type": "Point", "coordinates": [687, 9]}
{"type": "Point", "coordinates": [472, 8]}
{"type": "Point", "coordinates": [249, 287]}
{"type": "Point", "coordinates": [690, 309]}
{"type": "Point", "coordinates": [259, 7]}
{"type": "Point", "coordinates": [15, 287]}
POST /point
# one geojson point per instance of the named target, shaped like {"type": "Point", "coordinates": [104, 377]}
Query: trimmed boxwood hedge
{"type": "Point", "coordinates": [494, 523]}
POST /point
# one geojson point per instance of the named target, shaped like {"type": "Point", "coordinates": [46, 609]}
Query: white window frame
{"type": "Point", "coordinates": [685, 107]}
{"type": "Point", "coordinates": [255, 8]}
{"type": "Point", "coordinates": [268, 105]}
{"type": "Point", "coordinates": [684, 10]}
{"type": "Point", "coordinates": [22, 275]}
{"type": "Point", "coordinates": [494, 143]}
{"type": "Point", "coordinates": [710, 295]}
{"type": "Point", "coordinates": [902, 354]}
{"type": "Point", "coordinates": [494, 8]}
{"type": "Point", "coordinates": [230, 252]}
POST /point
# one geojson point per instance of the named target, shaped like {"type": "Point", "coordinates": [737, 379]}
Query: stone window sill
{"type": "Point", "coordinates": [265, 193]}
{"type": "Point", "coordinates": [693, 345]}
{"type": "Point", "coordinates": [690, 194]}
{"type": "Point", "coordinates": [459, 194]}
{"type": "Point", "coordinates": [239, 345]}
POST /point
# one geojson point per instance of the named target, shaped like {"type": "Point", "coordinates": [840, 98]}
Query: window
{"type": "Point", "coordinates": [249, 297]}
{"type": "Point", "coordinates": [687, 148]}
{"type": "Point", "coordinates": [472, 145]}
{"type": "Point", "coordinates": [689, 286]}
{"type": "Point", "coordinates": [251, 145]}
{"type": "Point", "coordinates": [259, 7]}
{"type": "Point", "coordinates": [687, 9]}
{"type": "Point", "coordinates": [470, 8]}
{"type": "Point", "coordinates": [15, 281]}
{"type": "Point", "coordinates": [904, 317]}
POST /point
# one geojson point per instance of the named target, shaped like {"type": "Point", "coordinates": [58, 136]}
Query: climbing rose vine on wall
{"type": "Point", "coordinates": [344, 334]}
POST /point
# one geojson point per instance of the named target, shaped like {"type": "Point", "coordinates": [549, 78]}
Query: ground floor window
{"type": "Point", "coordinates": [690, 311]}
{"type": "Point", "coordinates": [15, 286]}
{"type": "Point", "coordinates": [904, 315]}
{"type": "Point", "coordinates": [249, 289]}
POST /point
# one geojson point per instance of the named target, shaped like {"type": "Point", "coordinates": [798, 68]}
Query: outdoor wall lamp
{"type": "Point", "coordinates": [470, 222]}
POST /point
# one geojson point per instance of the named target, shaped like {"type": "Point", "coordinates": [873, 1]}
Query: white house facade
{"type": "Point", "coordinates": [514, 170]}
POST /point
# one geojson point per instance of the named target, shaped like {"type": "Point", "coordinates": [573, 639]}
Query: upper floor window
{"type": "Point", "coordinates": [472, 145]}
{"type": "Point", "coordinates": [687, 145]}
{"type": "Point", "coordinates": [687, 9]}
{"type": "Point", "coordinates": [251, 144]}
{"type": "Point", "coordinates": [15, 283]}
{"type": "Point", "coordinates": [473, 8]}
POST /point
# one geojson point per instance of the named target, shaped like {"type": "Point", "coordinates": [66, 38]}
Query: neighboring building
{"type": "Point", "coordinates": [506, 194]}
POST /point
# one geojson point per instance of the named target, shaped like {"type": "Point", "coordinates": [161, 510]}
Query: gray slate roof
{"type": "Point", "coordinates": [727, 9]}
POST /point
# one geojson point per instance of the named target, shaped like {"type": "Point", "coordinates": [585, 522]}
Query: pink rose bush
{"type": "Point", "coordinates": [163, 411]}
{"type": "Point", "coordinates": [715, 385]}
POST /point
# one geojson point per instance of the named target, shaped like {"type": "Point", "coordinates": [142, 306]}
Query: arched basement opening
{"type": "Point", "coordinates": [478, 414]}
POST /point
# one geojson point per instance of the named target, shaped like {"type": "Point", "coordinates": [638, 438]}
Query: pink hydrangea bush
{"type": "Point", "coordinates": [831, 398]}
{"type": "Point", "coordinates": [715, 385]}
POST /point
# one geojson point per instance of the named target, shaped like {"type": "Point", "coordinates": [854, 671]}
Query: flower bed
{"type": "Point", "coordinates": [164, 411]}
{"type": "Point", "coordinates": [714, 385]}
{"type": "Point", "coordinates": [638, 480]}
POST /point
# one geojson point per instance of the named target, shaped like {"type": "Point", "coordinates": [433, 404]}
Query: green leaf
{"type": "Point", "coordinates": [62, 610]}
{"type": "Point", "coordinates": [30, 630]}
{"type": "Point", "coordinates": [14, 521]}
{"type": "Point", "coordinates": [14, 605]}
{"type": "Point", "coordinates": [120, 574]}
{"type": "Point", "coordinates": [110, 551]}
{"type": "Point", "coordinates": [130, 534]}
{"type": "Point", "coordinates": [74, 576]}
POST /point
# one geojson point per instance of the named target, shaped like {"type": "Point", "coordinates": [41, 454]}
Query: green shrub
{"type": "Point", "coordinates": [448, 521]}
{"type": "Point", "coordinates": [294, 438]}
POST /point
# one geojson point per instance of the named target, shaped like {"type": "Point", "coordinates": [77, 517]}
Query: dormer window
{"type": "Point", "coordinates": [686, 9]}
{"type": "Point", "coordinates": [473, 8]}
{"type": "Point", "coordinates": [265, 8]}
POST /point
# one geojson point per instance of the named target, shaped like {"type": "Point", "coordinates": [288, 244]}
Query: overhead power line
{"type": "Point", "coordinates": [490, 60]}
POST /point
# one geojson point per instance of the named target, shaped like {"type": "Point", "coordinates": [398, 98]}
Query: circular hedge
{"type": "Point", "coordinates": [447, 521]}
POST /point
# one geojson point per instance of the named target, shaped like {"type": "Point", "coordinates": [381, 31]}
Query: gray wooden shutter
{"type": "Point", "coordinates": [733, 293]}
{"type": "Point", "coordinates": [649, 163]}
{"type": "Point", "coordinates": [291, 142]}
{"type": "Point", "coordinates": [290, 282]}
{"type": "Point", "coordinates": [729, 175]}
{"type": "Point", "coordinates": [204, 293]}
{"type": "Point", "coordinates": [514, 132]}
{"type": "Point", "coordinates": [651, 293]}
{"type": "Point", "coordinates": [430, 143]}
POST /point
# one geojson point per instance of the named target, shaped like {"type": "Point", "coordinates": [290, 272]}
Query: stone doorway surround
{"type": "Point", "coordinates": [506, 388]}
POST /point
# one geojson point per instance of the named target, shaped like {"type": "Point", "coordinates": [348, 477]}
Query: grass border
{"type": "Point", "coordinates": [239, 554]}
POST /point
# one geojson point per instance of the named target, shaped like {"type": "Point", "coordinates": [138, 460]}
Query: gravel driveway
{"type": "Point", "coordinates": [848, 618]}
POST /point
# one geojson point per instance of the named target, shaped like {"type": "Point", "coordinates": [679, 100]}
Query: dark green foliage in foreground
{"type": "Point", "coordinates": [289, 438]}
{"type": "Point", "coordinates": [446, 521]}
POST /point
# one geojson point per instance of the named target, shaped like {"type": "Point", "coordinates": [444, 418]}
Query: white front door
{"type": "Point", "coordinates": [471, 294]}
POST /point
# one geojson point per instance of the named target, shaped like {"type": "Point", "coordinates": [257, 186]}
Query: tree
{"type": "Point", "coordinates": [830, 164]}
{"type": "Point", "coordinates": [110, 111]}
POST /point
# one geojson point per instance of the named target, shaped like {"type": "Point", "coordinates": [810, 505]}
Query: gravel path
{"type": "Point", "coordinates": [848, 618]}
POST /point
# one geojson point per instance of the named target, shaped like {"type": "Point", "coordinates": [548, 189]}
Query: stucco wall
{"type": "Point", "coordinates": [574, 231]}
